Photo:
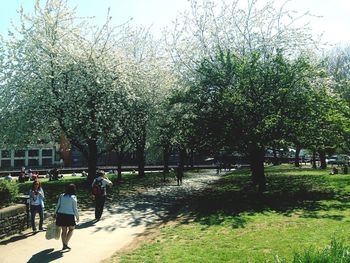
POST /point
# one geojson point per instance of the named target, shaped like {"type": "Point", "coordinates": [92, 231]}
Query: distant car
{"type": "Point", "coordinates": [332, 161]}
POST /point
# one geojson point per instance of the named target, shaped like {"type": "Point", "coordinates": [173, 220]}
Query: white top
{"type": "Point", "coordinates": [105, 182]}
{"type": "Point", "coordinates": [67, 204]}
{"type": "Point", "coordinates": [37, 199]}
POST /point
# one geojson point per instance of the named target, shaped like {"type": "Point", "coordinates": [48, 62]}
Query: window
{"type": "Point", "coordinates": [20, 153]}
{"type": "Point", "coordinates": [5, 163]}
{"type": "Point", "coordinates": [5, 154]}
{"type": "Point", "coordinates": [47, 152]}
{"type": "Point", "coordinates": [33, 162]}
{"type": "Point", "coordinates": [47, 162]}
{"type": "Point", "coordinates": [33, 153]}
{"type": "Point", "coordinates": [19, 163]}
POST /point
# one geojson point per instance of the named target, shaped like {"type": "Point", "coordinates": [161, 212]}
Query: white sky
{"type": "Point", "coordinates": [334, 23]}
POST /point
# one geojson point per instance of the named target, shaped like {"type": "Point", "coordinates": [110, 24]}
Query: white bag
{"type": "Point", "coordinates": [53, 231]}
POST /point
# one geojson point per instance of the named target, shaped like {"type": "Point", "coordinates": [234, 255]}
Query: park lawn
{"type": "Point", "coordinates": [231, 222]}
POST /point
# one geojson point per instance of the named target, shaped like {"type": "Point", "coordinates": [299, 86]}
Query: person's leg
{"type": "Point", "coordinates": [69, 235]}
{"type": "Point", "coordinates": [100, 201]}
{"type": "Point", "coordinates": [33, 212]}
{"type": "Point", "coordinates": [64, 236]}
{"type": "Point", "coordinates": [41, 215]}
{"type": "Point", "coordinates": [97, 207]}
{"type": "Point", "coordinates": [102, 204]}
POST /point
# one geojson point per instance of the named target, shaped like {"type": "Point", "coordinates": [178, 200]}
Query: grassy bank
{"type": "Point", "coordinates": [231, 222]}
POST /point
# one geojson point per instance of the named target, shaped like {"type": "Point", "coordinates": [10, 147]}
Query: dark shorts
{"type": "Point", "coordinates": [65, 220]}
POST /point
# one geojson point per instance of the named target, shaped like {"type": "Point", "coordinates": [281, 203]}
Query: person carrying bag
{"type": "Point", "coordinates": [66, 212]}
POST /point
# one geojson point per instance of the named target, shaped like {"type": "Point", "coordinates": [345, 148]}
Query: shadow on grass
{"type": "Point", "coordinates": [312, 196]}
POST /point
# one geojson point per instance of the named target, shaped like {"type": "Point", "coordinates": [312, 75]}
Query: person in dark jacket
{"type": "Point", "coordinates": [100, 198]}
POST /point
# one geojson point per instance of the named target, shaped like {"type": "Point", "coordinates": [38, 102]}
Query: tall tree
{"type": "Point", "coordinates": [67, 75]}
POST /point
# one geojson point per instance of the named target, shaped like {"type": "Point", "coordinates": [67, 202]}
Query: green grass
{"type": "Point", "coordinates": [302, 210]}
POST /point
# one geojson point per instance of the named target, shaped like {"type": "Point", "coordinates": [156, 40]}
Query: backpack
{"type": "Point", "coordinates": [97, 188]}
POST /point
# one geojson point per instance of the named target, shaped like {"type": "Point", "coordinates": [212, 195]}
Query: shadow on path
{"type": "Point", "coordinates": [46, 255]}
{"type": "Point", "coordinates": [17, 238]}
{"type": "Point", "coordinates": [86, 224]}
{"type": "Point", "coordinates": [155, 205]}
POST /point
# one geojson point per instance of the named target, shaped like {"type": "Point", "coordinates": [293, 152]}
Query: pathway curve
{"type": "Point", "coordinates": [120, 224]}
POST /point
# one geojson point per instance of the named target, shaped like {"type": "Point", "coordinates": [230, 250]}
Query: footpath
{"type": "Point", "coordinates": [120, 224]}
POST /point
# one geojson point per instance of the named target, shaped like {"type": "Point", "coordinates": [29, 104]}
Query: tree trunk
{"type": "Point", "coordinates": [296, 158]}
{"type": "Point", "coordinates": [140, 154]}
{"type": "Point", "coordinates": [120, 157]}
{"type": "Point", "coordinates": [192, 158]}
{"type": "Point", "coordinates": [92, 160]}
{"type": "Point", "coordinates": [166, 155]}
{"type": "Point", "coordinates": [314, 159]}
{"type": "Point", "coordinates": [183, 156]}
{"type": "Point", "coordinates": [275, 158]}
{"type": "Point", "coordinates": [257, 155]}
{"type": "Point", "coordinates": [322, 155]}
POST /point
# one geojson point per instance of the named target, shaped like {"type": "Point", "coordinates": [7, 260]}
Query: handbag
{"type": "Point", "coordinates": [52, 231]}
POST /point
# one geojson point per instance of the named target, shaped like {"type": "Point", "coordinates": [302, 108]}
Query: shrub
{"type": "Point", "coordinates": [337, 252]}
{"type": "Point", "coordinates": [8, 192]}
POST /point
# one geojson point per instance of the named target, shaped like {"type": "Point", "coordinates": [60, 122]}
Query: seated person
{"type": "Point", "coordinates": [8, 177]}
{"type": "Point", "coordinates": [334, 170]}
{"type": "Point", "coordinates": [345, 169]}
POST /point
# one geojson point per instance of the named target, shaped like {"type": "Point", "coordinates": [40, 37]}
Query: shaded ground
{"type": "Point", "coordinates": [120, 224]}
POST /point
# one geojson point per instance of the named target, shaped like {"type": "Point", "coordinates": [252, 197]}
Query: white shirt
{"type": "Point", "coordinates": [104, 183]}
{"type": "Point", "coordinates": [67, 204]}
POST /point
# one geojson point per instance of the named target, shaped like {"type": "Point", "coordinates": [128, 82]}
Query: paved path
{"type": "Point", "coordinates": [119, 225]}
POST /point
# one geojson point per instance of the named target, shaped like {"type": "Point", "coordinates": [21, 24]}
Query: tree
{"type": "Point", "coordinates": [149, 82]}
{"type": "Point", "coordinates": [67, 77]}
{"type": "Point", "coordinates": [254, 96]}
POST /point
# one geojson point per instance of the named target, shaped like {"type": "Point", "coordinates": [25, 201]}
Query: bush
{"type": "Point", "coordinates": [8, 192]}
{"type": "Point", "coordinates": [337, 252]}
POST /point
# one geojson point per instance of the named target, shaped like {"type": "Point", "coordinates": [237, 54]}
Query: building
{"type": "Point", "coordinates": [36, 156]}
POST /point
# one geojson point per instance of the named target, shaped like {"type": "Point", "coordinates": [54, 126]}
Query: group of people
{"type": "Point", "coordinates": [66, 211]}
{"type": "Point", "coordinates": [25, 176]}
{"type": "Point", "coordinates": [336, 171]}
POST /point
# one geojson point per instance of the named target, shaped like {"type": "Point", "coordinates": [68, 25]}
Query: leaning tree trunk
{"type": "Point", "coordinates": [296, 157]}
{"type": "Point", "coordinates": [322, 155]}
{"type": "Point", "coordinates": [257, 155]}
{"type": "Point", "coordinates": [92, 160]}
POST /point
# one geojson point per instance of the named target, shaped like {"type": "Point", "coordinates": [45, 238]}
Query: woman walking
{"type": "Point", "coordinates": [66, 213]}
{"type": "Point", "coordinates": [36, 201]}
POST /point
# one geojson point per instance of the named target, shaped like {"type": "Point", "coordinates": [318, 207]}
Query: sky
{"type": "Point", "coordinates": [333, 21]}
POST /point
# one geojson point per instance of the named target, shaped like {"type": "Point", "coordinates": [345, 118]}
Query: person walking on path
{"type": "Point", "coordinates": [36, 202]}
{"type": "Point", "coordinates": [99, 188]}
{"type": "Point", "coordinates": [66, 212]}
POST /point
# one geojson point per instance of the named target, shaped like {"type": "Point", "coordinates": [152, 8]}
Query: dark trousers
{"type": "Point", "coordinates": [37, 209]}
{"type": "Point", "coordinates": [100, 202]}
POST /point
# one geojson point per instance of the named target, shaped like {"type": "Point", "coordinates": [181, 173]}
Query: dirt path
{"type": "Point", "coordinates": [119, 225]}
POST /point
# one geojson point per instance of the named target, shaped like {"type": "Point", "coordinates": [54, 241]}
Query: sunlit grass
{"type": "Point", "coordinates": [231, 222]}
